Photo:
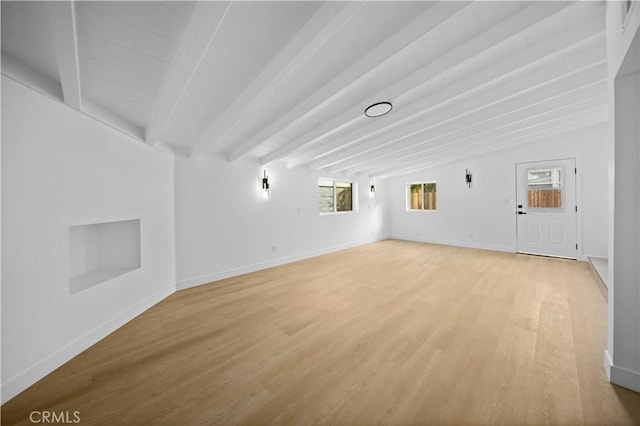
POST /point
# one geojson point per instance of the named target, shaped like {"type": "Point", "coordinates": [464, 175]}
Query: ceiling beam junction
{"type": "Point", "coordinates": [205, 22]}
{"type": "Point", "coordinates": [62, 19]}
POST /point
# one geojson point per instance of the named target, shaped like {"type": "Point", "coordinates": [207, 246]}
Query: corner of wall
{"type": "Point", "coordinates": [607, 363]}
{"type": "Point", "coordinates": [622, 356]}
{"type": "Point", "coordinates": [232, 229]}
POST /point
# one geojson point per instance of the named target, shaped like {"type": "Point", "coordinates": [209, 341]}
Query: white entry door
{"type": "Point", "coordinates": [546, 208]}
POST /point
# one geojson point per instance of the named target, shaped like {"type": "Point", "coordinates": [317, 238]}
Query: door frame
{"type": "Point", "coordinates": [578, 162]}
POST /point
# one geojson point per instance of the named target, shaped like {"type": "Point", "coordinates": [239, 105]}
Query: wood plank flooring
{"type": "Point", "coordinates": [388, 333]}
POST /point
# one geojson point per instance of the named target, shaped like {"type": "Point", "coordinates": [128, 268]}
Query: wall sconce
{"type": "Point", "coordinates": [373, 187]}
{"type": "Point", "coordinates": [265, 183]}
{"type": "Point", "coordinates": [467, 178]}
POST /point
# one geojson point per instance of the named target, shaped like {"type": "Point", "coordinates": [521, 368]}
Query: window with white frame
{"type": "Point", "coordinates": [421, 196]}
{"type": "Point", "coordinates": [335, 196]}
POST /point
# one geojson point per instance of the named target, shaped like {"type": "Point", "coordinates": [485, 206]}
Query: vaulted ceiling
{"type": "Point", "coordinates": [289, 81]}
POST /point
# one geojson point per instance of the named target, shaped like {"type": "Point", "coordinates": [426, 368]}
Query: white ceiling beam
{"type": "Point", "coordinates": [508, 77]}
{"type": "Point", "coordinates": [406, 122]}
{"type": "Point", "coordinates": [540, 136]}
{"type": "Point", "coordinates": [460, 56]}
{"type": "Point", "coordinates": [490, 133]}
{"type": "Point", "coordinates": [325, 130]}
{"type": "Point", "coordinates": [554, 48]}
{"type": "Point", "coordinates": [518, 24]}
{"type": "Point", "coordinates": [391, 50]}
{"type": "Point", "coordinates": [62, 19]}
{"type": "Point", "coordinates": [490, 149]}
{"type": "Point", "coordinates": [479, 147]}
{"type": "Point", "coordinates": [322, 26]}
{"type": "Point", "coordinates": [205, 22]}
{"type": "Point", "coordinates": [479, 122]}
{"type": "Point", "coordinates": [482, 136]}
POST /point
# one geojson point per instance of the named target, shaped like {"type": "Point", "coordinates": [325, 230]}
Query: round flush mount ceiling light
{"type": "Point", "coordinates": [378, 109]}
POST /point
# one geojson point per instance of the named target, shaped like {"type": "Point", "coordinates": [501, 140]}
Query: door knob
{"type": "Point", "coordinates": [522, 212]}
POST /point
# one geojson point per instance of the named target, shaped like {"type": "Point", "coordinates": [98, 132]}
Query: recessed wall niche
{"type": "Point", "coordinates": [99, 252]}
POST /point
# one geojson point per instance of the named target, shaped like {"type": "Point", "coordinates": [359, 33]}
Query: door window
{"type": "Point", "coordinates": [544, 188]}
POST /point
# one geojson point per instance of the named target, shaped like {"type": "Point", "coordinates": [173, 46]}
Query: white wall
{"type": "Point", "coordinates": [1, 254]}
{"type": "Point", "coordinates": [226, 226]}
{"type": "Point", "coordinates": [484, 216]}
{"type": "Point", "coordinates": [622, 357]}
{"type": "Point", "coordinates": [59, 169]}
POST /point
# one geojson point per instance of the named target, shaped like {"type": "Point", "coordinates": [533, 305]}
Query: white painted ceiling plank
{"type": "Point", "coordinates": [330, 18]}
{"type": "Point", "coordinates": [460, 55]}
{"type": "Point", "coordinates": [554, 48]}
{"type": "Point", "coordinates": [530, 132]}
{"type": "Point", "coordinates": [597, 116]}
{"type": "Point", "coordinates": [93, 21]}
{"type": "Point", "coordinates": [457, 57]}
{"type": "Point", "coordinates": [26, 36]}
{"type": "Point", "coordinates": [474, 124]}
{"type": "Point", "coordinates": [491, 133]}
{"type": "Point", "coordinates": [473, 86]}
{"type": "Point", "coordinates": [395, 47]}
{"type": "Point", "coordinates": [206, 19]}
{"type": "Point", "coordinates": [322, 131]}
{"type": "Point", "coordinates": [543, 86]}
{"type": "Point", "coordinates": [490, 147]}
{"type": "Point", "coordinates": [62, 19]}
{"type": "Point", "coordinates": [157, 20]}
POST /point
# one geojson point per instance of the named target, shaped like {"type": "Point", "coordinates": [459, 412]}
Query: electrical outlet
{"type": "Point", "coordinates": [274, 248]}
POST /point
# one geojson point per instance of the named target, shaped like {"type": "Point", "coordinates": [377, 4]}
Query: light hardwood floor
{"type": "Point", "coordinates": [388, 333]}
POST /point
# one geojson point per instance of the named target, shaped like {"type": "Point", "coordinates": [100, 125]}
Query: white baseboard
{"type": "Point", "coordinates": [591, 255]}
{"type": "Point", "coordinates": [493, 247]}
{"type": "Point", "coordinates": [621, 376]}
{"type": "Point", "coordinates": [228, 273]}
{"type": "Point", "coordinates": [21, 381]}
{"type": "Point", "coordinates": [584, 257]}
{"type": "Point", "coordinates": [626, 378]}
{"type": "Point", "coordinates": [31, 375]}
{"type": "Point", "coordinates": [607, 364]}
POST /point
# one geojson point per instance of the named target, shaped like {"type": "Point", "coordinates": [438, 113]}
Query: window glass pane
{"type": "Point", "coordinates": [325, 197]}
{"type": "Point", "coordinates": [415, 196]}
{"type": "Point", "coordinates": [544, 188]}
{"type": "Point", "coordinates": [343, 196]}
{"type": "Point", "coordinates": [430, 196]}
{"type": "Point", "coordinates": [334, 196]}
